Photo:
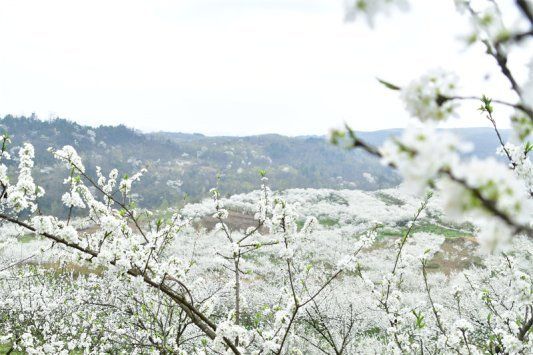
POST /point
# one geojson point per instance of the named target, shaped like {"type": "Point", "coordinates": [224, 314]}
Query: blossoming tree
{"type": "Point", "coordinates": [148, 284]}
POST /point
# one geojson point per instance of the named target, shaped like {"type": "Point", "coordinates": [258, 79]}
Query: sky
{"type": "Point", "coordinates": [228, 67]}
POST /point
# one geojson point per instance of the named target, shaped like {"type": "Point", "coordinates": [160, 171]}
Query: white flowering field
{"type": "Point", "coordinates": [442, 264]}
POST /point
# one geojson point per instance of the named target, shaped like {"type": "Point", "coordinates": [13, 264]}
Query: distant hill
{"type": "Point", "coordinates": [187, 165]}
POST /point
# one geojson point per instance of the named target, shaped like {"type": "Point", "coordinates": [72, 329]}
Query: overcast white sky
{"type": "Point", "coordinates": [233, 67]}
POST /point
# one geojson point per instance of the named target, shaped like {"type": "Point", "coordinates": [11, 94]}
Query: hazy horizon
{"type": "Point", "coordinates": [228, 67]}
{"type": "Point", "coordinates": [230, 135]}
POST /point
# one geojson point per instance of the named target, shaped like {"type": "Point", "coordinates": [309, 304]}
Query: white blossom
{"type": "Point", "coordinates": [429, 98]}
{"type": "Point", "coordinates": [420, 153]}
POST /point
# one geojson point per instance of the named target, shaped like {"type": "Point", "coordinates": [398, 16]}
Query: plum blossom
{"type": "Point", "coordinates": [428, 98]}
{"type": "Point", "coordinates": [369, 177]}
{"type": "Point", "coordinates": [69, 155]}
{"type": "Point", "coordinates": [493, 233]}
{"type": "Point", "coordinates": [520, 162]}
{"type": "Point", "coordinates": [502, 187]}
{"type": "Point", "coordinates": [4, 178]}
{"type": "Point", "coordinates": [72, 199]}
{"type": "Point", "coordinates": [127, 181]}
{"type": "Point", "coordinates": [420, 153]}
{"type": "Point", "coordinates": [24, 193]}
{"type": "Point", "coordinates": [486, 21]}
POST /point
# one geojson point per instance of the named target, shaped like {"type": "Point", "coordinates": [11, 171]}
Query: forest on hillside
{"type": "Point", "coordinates": [183, 167]}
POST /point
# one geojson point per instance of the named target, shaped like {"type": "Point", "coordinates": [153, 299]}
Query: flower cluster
{"type": "Point", "coordinates": [520, 162]}
{"type": "Point", "coordinates": [430, 98]}
{"type": "Point", "coordinates": [421, 153]}
{"type": "Point", "coordinates": [24, 193]}
{"type": "Point", "coordinates": [485, 20]}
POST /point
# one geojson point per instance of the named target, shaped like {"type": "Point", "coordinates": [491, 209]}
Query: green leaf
{"type": "Point", "coordinates": [487, 104]}
{"type": "Point", "coordinates": [389, 85]}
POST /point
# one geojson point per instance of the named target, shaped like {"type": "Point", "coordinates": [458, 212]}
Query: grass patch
{"type": "Point", "coordinates": [323, 221]}
{"type": "Point", "coordinates": [335, 199]}
{"type": "Point", "coordinates": [389, 199]}
{"type": "Point", "coordinates": [4, 348]}
{"type": "Point", "coordinates": [441, 230]}
{"type": "Point", "coordinates": [466, 226]}
{"type": "Point", "coordinates": [372, 332]}
{"type": "Point", "coordinates": [71, 267]}
{"type": "Point", "coordinates": [424, 228]}
{"type": "Point", "coordinates": [387, 233]}
{"type": "Point", "coordinates": [432, 265]}
{"type": "Point", "coordinates": [27, 238]}
{"type": "Point", "coordinates": [328, 222]}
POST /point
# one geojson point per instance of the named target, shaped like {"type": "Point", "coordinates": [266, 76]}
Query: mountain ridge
{"type": "Point", "coordinates": [183, 167]}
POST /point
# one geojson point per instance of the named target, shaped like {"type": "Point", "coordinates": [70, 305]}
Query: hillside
{"type": "Point", "coordinates": [185, 166]}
